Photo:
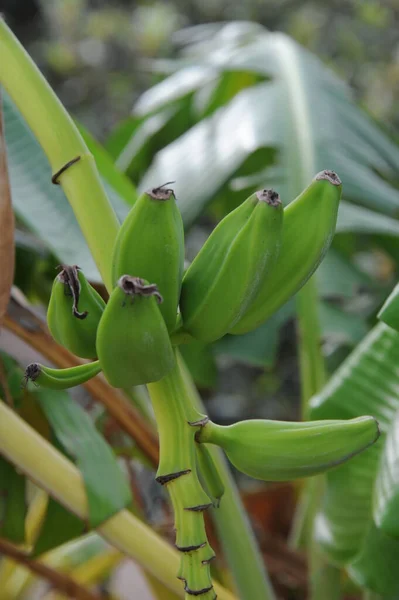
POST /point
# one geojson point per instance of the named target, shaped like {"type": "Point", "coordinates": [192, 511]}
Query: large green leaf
{"type": "Point", "coordinates": [338, 278]}
{"type": "Point", "coordinates": [389, 312]}
{"type": "Point", "coordinates": [259, 347]}
{"type": "Point", "coordinates": [305, 112]}
{"type": "Point", "coordinates": [366, 383]}
{"type": "Point", "coordinates": [361, 496]}
{"type": "Point", "coordinates": [386, 492]}
{"type": "Point", "coordinates": [106, 487]}
{"type": "Point", "coordinates": [42, 206]}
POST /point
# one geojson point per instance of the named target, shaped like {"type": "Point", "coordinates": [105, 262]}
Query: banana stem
{"type": "Point", "coordinates": [62, 142]}
{"type": "Point", "coordinates": [232, 524]}
{"type": "Point", "coordinates": [52, 471]}
{"type": "Point", "coordinates": [178, 471]}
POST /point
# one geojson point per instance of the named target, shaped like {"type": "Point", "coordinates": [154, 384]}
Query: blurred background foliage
{"type": "Point", "coordinates": [95, 52]}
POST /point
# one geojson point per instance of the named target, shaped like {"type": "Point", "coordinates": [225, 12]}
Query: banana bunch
{"type": "Point", "coordinates": [257, 258]}
{"type": "Point", "coordinates": [281, 451]}
{"type": "Point", "coordinates": [133, 344]}
{"type": "Point", "coordinates": [226, 274]}
{"type": "Point", "coordinates": [150, 245]}
{"type": "Point", "coordinates": [74, 312]}
{"type": "Point", "coordinates": [309, 226]}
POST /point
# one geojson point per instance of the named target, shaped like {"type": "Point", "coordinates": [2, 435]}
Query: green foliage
{"type": "Point", "coordinates": [106, 487]}
{"type": "Point", "coordinates": [357, 525]}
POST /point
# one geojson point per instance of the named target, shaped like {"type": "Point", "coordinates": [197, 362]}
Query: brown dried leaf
{"type": "Point", "coordinates": [6, 226]}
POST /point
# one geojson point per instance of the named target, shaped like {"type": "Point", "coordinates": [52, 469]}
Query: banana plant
{"type": "Point", "coordinates": [248, 268]}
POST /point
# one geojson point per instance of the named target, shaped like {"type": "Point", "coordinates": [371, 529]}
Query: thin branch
{"type": "Point", "coordinates": [61, 582]}
{"type": "Point", "coordinates": [31, 329]}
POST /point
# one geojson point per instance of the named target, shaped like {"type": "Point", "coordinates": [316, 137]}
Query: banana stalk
{"type": "Point", "coordinates": [177, 423]}
{"type": "Point", "coordinates": [51, 470]}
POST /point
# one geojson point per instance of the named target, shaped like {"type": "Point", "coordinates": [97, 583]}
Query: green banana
{"type": "Point", "coordinates": [309, 225]}
{"type": "Point", "coordinates": [389, 313]}
{"type": "Point", "coordinates": [281, 451]}
{"type": "Point", "coordinates": [150, 245]}
{"type": "Point", "coordinates": [61, 379]}
{"type": "Point", "coordinates": [133, 344]}
{"type": "Point", "coordinates": [209, 473]}
{"type": "Point", "coordinates": [74, 312]}
{"type": "Point", "coordinates": [225, 275]}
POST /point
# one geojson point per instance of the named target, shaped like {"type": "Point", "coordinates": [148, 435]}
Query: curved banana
{"type": "Point", "coordinates": [133, 344]}
{"type": "Point", "coordinates": [150, 245]}
{"type": "Point", "coordinates": [280, 451]}
{"type": "Point", "coordinates": [61, 379]}
{"type": "Point", "coordinates": [209, 473]}
{"type": "Point", "coordinates": [225, 275]}
{"type": "Point", "coordinates": [74, 312]}
{"type": "Point", "coordinates": [309, 225]}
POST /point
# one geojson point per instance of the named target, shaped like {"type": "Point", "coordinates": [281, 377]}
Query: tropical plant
{"type": "Point", "coordinates": [242, 109]}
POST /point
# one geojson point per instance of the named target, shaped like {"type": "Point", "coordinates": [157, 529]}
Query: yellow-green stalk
{"type": "Point", "coordinates": [52, 471]}
{"type": "Point", "coordinates": [62, 143]}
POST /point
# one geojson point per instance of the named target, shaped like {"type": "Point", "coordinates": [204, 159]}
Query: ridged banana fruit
{"type": "Point", "coordinates": [133, 344]}
{"type": "Point", "coordinates": [281, 451]}
{"type": "Point", "coordinates": [150, 245]}
{"type": "Point", "coordinates": [227, 272]}
{"type": "Point", "coordinates": [61, 379]}
{"type": "Point", "coordinates": [74, 312]}
{"type": "Point", "coordinates": [209, 474]}
{"type": "Point", "coordinates": [309, 226]}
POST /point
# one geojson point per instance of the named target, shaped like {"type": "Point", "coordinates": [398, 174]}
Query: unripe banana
{"type": "Point", "coordinates": [150, 245]}
{"type": "Point", "coordinates": [281, 451]}
{"type": "Point", "coordinates": [309, 225]}
{"type": "Point", "coordinates": [389, 313]}
{"type": "Point", "coordinates": [225, 275]}
{"type": "Point", "coordinates": [61, 379]}
{"type": "Point", "coordinates": [209, 473]}
{"type": "Point", "coordinates": [74, 312]}
{"type": "Point", "coordinates": [133, 344]}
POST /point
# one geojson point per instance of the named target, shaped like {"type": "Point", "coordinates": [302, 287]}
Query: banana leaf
{"type": "Point", "coordinates": [358, 523]}
{"type": "Point", "coordinates": [294, 104]}
{"type": "Point", "coordinates": [106, 486]}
